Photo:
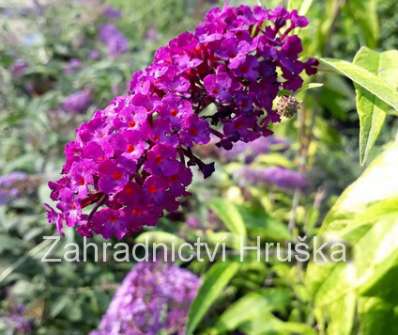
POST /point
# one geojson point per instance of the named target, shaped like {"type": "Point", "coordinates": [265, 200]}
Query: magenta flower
{"type": "Point", "coordinates": [113, 176]}
{"type": "Point", "coordinates": [154, 298]}
{"type": "Point", "coordinates": [137, 152]}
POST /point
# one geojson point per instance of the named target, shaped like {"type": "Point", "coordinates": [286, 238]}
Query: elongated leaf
{"type": "Point", "coordinates": [227, 238]}
{"type": "Point", "coordinates": [215, 280]}
{"type": "Point", "coordinates": [371, 110]}
{"type": "Point", "coordinates": [364, 13]}
{"type": "Point", "coordinates": [377, 317]}
{"type": "Point", "coordinates": [160, 237]}
{"type": "Point", "coordinates": [366, 80]}
{"type": "Point", "coordinates": [230, 216]}
{"type": "Point", "coordinates": [250, 307]}
{"type": "Point", "coordinates": [302, 6]}
{"type": "Point", "coordinates": [377, 183]}
{"type": "Point", "coordinates": [376, 260]}
{"type": "Point", "coordinates": [367, 215]}
{"type": "Point", "coordinates": [305, 6]}
{"type": "Point", "coordinates": [269, 325]}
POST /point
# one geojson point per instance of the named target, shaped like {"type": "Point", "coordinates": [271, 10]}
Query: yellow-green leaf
{"type": "Point", "coordinates": [215, 280]}
{"type": "Point", "coordinates": [371, 110]}
{"type": "Point", "coordinates": [366, 79]}
{"type": "Point", "coordinates": [230, 216]}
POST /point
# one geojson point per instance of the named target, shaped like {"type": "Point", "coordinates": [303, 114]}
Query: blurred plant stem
{"type": "Point", "coordinates": [329, 26]}
{"type": "Point", "coordinates": [306, 120]}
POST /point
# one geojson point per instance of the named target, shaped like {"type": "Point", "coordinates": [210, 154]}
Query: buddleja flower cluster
{"type": "Point", "coordinates": [153, 299]}
{"type": "Point", "coordinates": [131, 162]}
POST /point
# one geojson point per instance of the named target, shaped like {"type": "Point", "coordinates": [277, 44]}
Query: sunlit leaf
{"type": "Point", "coordinates": [371, 110]}
{"type": "Point", "coordinates": [160, 237]}
{"type": "Point", "coordinates": [367, 80]}
{"type": "Point", "coordinates": [302, 6]}
{"type": "Point", "coordinates": [214, 282]}
{"type": "Point", "coordinates": [376, 184]}
{"type": "Point", "coordinates": [364, 13]}
{"type": "Point", "coordinates": [230, 216]}
{"type": "Point", "coordinates": [250, 307]}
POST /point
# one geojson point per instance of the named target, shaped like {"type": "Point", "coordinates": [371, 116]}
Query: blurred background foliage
{"type": "Point", "coordinates": [56, 68]}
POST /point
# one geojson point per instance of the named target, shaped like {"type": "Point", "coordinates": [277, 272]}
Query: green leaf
{"type": "Point", "coordinates": [222, 237]}
{"type": "Point", "coordinates": [214, 282]}
{"type": "Point", "coordinates": [332, 289]}
{"type": "Point", "coordinates": [253, 306]}
{"type": "Point", "coordinates": [378, 183]}
{"type": "Point", "coordinates": [270, 325]}
{"type": "Point", "coordinates": [371, 110]}
{"type": "Point", "coordinates": [250, 307]}
{"type": "Point", "coordinates": [365, 79]}
{"type": "Point", "coordinates": [159, 237]}
{"type": "Point", "coordinates": [366, 216]}
{"type": "Point", "coordinates": [261, 224]}
{"type": "Point", "coordinates": [302, 6]}
{"type": "Point", "coordinates": [273, 159]}
{"type": "Point", "coordinates": [377, 317]}
{"type": "Point", "coordinates": [59, 305]}
{"type": "Point", "coordinates": [376, 260]}
{"type": "Point", "coordinates": [364, 14]}
{"type": "Point", "coordinates": [9, 243]}
{"type": "Point", "coordinates": [230, 216]}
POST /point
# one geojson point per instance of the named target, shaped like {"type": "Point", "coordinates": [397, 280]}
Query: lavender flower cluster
{"type": "Point", "coordinates": [277, 176]}
{"type": "Point", "coordinates": [16, 322]}
{"type": "Point", "coordinates": [154, 298]}
{"type": "Point", "coordinates": [114, 40]}
{"type": "Point", "coordinates": [78, 102]}
{"type": "Point", "coordinates": [11, 186]}
{"type": "Point", "coordinates": [249, 151]}
{"type": "Point", "coordinates": [131, 162]}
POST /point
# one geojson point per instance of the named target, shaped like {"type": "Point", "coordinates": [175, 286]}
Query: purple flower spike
{"type": "Point", "coordinates": [136, 153]}
{"type": "Point", "coordinates": [154, 298]}
{"type": "Point", "coordinates": [276, 176]}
